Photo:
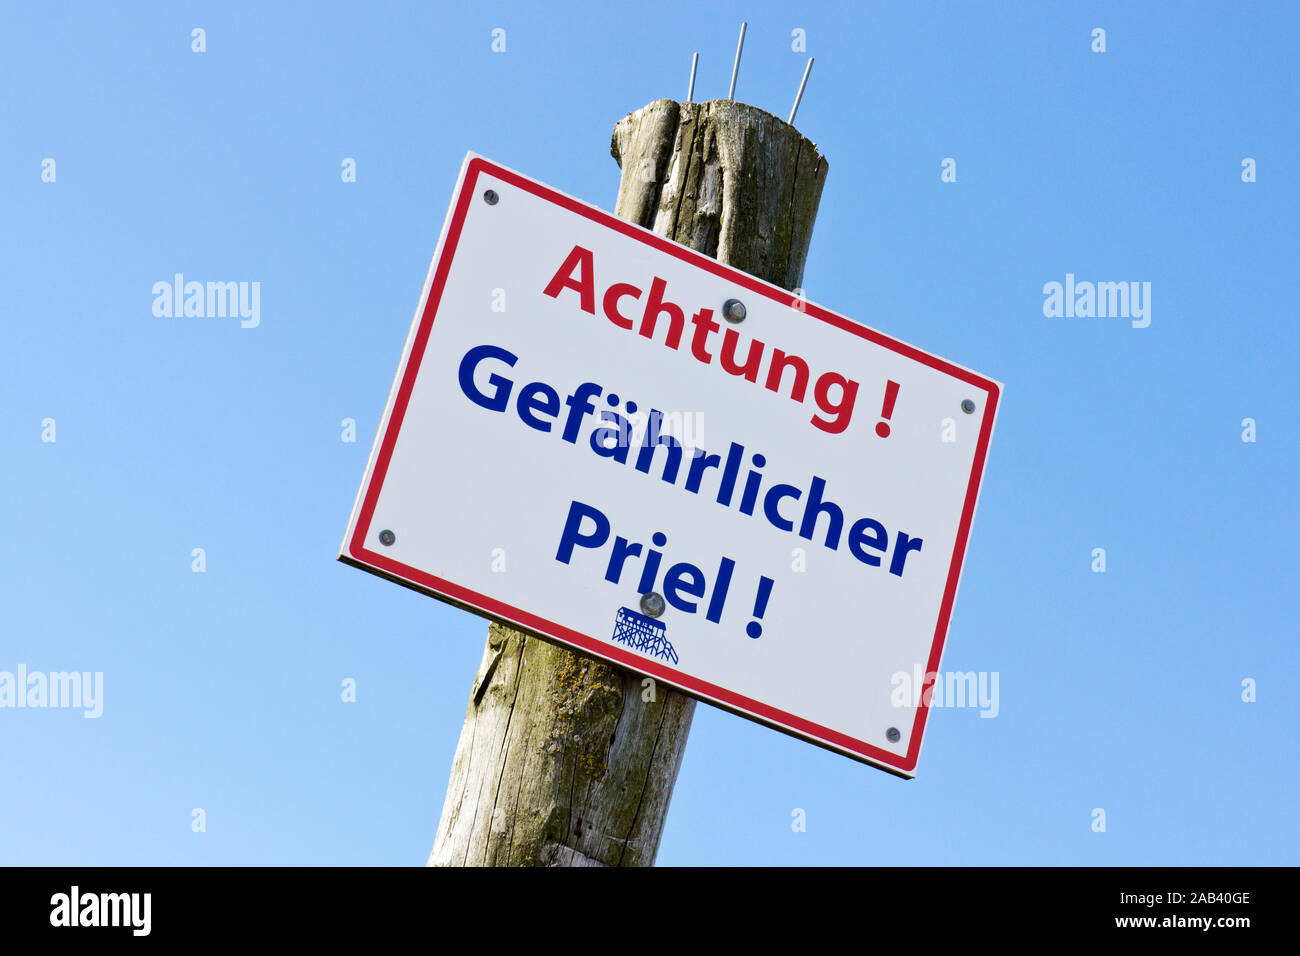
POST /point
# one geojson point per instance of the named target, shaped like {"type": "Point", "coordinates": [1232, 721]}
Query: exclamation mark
{"type": "Point", "coordinates": [753, 628]}
{"type": "Point", "coordinates": [887, 409]}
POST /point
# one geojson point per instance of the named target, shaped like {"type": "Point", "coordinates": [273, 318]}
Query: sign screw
{"type": "Point", "coordinates": [892, 735]}
{"type": "Point", "coordinates": [490, 197]}
{"type": "Point", "coordinates": [967, 406]}
{"type": "Point", "coordinates": [733, 310]}
{"type": "Point", "coordinates": [387, 537]}
{"type": "Point", "coordinates": [652, 604]}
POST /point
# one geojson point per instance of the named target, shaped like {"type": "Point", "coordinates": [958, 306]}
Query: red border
{"type": "Point", "coordinates": [692, 685]}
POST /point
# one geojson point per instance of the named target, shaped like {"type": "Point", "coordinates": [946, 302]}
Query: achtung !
{"type": "Point", "coordinates": [578, 273]}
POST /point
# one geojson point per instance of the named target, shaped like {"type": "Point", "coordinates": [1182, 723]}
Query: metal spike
{"type": "Point", "coordinates": [798, 96]}
{"type": "Point", "coordinates": [735, 67]}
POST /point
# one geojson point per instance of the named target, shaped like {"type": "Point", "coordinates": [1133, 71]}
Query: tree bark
{"type": "Point", "coordinates": [564, 759]}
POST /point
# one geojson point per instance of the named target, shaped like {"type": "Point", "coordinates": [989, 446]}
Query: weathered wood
{"type": "Point", "coordinates": [724, 178]}
{"type": "Point", "coordinates": [565, 760]}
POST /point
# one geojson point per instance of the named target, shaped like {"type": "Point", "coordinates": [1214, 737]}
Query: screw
{"type": "Point", "coordinates": [387, 537]}
{"type": "Point", "coordinates": [490, 197]}
{"type": "Point", "coordinates": [652, 604]}
{"type": "Point", "coordinates": [733, 310]}
{"type": "Point", "coordinates": [892, 735]}
{"type": "Point", "coordinates": [967, 406]}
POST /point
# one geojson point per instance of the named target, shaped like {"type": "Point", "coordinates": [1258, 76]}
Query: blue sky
{"type": "Point", "coordinates": [1119, 690]}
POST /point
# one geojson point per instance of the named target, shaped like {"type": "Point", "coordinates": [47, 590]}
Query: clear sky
{"type": "Point", "coordinates": [1120, 691]}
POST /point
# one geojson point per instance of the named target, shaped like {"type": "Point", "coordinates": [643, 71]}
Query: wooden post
{"type": "Point", "coordinates": [565, 760]}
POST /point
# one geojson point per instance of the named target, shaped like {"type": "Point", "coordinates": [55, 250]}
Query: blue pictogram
{"type": "Point", "coordinates": [643, 634]}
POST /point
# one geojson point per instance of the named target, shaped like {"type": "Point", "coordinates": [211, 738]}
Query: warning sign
{"type": "Point", "coordinates": [622, 445]}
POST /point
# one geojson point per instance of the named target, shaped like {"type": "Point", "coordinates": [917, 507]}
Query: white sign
{"type": "Point", "coordinates": [577, 423]}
